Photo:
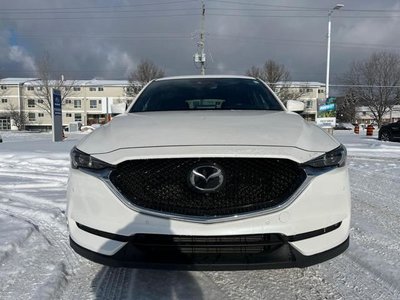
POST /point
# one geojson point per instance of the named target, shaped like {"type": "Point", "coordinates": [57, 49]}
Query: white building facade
{"type": "Point", "coordinates": [88, 102]}
{"type": "Point", "coordinates": [364, 115]}
{"type": "Point", "coordinates": [307, 92]}
{"type": "Point", "coordinates": [91, 101]}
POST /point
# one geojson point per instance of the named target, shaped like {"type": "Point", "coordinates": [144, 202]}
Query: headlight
{"type": "Point", "coordinates": [334, 158]}
{"type": "Point", "coordinates": [80, 159]}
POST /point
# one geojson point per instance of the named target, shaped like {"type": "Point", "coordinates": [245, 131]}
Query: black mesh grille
{"type": "Point", "coordinates": [250, 184]}
{"type": "Point", "coordinates": [236, 244]}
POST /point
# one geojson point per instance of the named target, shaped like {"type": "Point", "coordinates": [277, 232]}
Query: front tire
{"type": "Point", "coordinates": [386, 136]}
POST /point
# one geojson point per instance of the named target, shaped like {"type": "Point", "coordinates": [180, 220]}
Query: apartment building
{"type": "Point", "coordinates": [88, 102]}
{"type": "Point", "coordinates": [308, 92]}
{"type": "Point", "coordinates": [364, 115]}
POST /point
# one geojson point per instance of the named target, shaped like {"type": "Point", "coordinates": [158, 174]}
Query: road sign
{"type": "Point", "coordinates": [326, 115]}
{"type": "Point", "coordinates": [56, 114]}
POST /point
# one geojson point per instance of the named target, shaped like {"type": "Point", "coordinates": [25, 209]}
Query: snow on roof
{"type": "Point", "coordinates": [301, 83]}
{"type": "Point", "coordinates": [12, 80]}
{"type": "Point", "coordinates": [92, 82]}
{"type": "Point", "coordinates": [204, 76]}
{"type": "Point", "coordinates": [102, 82]}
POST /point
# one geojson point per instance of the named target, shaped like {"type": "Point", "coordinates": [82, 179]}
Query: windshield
{"type": "Point", "coordinates": [206, 94]}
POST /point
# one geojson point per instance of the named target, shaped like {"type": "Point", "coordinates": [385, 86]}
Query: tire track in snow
{"type": "Point", "coordinates": [355, 280]}
{"type": "Point", "coordinates": [46, 259]}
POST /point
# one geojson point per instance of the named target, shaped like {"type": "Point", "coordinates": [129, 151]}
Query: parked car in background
{"type": "Point", "coordinates": [209, 172]}
{"type": "Point", "coordinates": [390, 132]}
{"type": "Point", "coordinates": [344, 126]}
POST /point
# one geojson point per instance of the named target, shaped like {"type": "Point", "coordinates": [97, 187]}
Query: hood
{"type": "Point", "coordinates": [199, 128]}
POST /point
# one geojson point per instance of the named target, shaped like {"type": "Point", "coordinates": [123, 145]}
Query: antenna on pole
{"type": "Point", "coordinates": [200, 56]}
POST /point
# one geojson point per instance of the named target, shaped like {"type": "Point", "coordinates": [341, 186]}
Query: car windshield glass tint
{"type": "Point", "coordinates": [206, 94]}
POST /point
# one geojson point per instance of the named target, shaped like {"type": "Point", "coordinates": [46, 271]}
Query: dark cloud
{"type": "Point", "coordinates": [107, 39]}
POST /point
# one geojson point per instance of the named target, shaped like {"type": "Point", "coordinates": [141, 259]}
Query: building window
{"type": "Point", "coordinates": [92, 89]}
{"type": "Point", "coordinates": [4, 100]}
{"type": "Point", "coordinates": [68, 115]}
{"type": "Point", "coordinates": [3, 87]}
{"type": "Point", "coordinates": [100, 89]}
{"type": "Point", "coordinates": [5, 123]}
{"type": "Point", "coordinates": [301, 90]}
{"type": "Point", "coordinates": [93, 103]}
{"type": "Point", "coordinates": [30, 88]}
{"type": "Point", "coordinates": [40, 101]}
{"type": "Point", "coordinates": [309, 104]}
{"type": "Point", "coordinates": [320, 91]}
{"type": "Point", "coordinates": [31, 117]}
{"type": "Point", "coordinates": [364, 113]}
{"type": "Point", "coordinates": [309, 90]}
{"type": "Point", "coordinates": [99, 101]}
{"type": "Point", "coordinates": [68, 101]}
{"type": "Point", "coordinates": [77, 88]}
{"type": "Point", "coordinates": [40, 115]}
{"type": "Point", "coordinates": [31, 102]}
{"type": "Point", "coordinates": [77, 104]}
{"type": "Point", "coordinates": [78, 117]}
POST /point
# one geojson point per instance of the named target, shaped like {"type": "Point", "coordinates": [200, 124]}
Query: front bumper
{"type": "Point", "coordinates": [324, 202]}
{"type": "Point", "coordinates": [285, 256]}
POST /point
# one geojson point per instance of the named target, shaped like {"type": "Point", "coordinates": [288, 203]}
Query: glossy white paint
{"type": "Point", "coordinates": [324, 202]}
{"type": "Point", "coordinates": [211, 128]}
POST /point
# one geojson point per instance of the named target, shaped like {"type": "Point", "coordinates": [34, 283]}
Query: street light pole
{"type": "Point", "coordinates": [328, 51]}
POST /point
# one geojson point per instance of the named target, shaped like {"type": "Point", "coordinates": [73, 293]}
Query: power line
{"type": "Point", "coordinates": [99, 7]}
{"type": "Point", "coordinates": [365, 86]}
{"type": "Point", "coordinates": [101, 17]}
{"type": "Point", "coordinates": [303, 16]}
{"type": "Point", "coordinates": [98, 12]}
{"type": "Point", "coordinates": [271, 5]}
{"type": "Point", "coordinates": [106, 15]}
{"type": "Point", "coordinates": [305, 8]}
{"type": "Point", "coordinates": [307, 42]}
{"type": "Point", "coordinates": [310, 43]}
{"type": "Point", "coordinates": [112, 36]}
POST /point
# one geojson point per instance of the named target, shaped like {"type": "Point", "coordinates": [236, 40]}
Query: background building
{"type": "Point", "coordinates": [364, 115]}
{"type": "Point", "coordinates": [308, 92]}
{"type": "Point", "coordinates": [88, 102]}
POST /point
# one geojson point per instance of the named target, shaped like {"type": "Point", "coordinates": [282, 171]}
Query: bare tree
{"type": "Point", "coordinates": [278, 79]}
{"type": "Point", "coordinates": [45, 84]}
{"type": "Point", "coordinates": [19, 118]}
{"type": "Point", "coordinates": [256, 72]}
{"type": "Point", "coordinates": [272, 73]}
{"type": "Point", "coordinates": [374, 82]}
{"type": "Point", "coordinates": [288, 91]}
{"type": "Point", "coordinates": [145, 72]}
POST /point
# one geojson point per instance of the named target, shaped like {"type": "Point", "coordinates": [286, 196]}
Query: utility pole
{"type": "Point", "coordinates": [200, 56]}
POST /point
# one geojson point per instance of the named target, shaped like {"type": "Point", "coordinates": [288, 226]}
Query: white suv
{"type": "Point", "coordinates": [209, 172]}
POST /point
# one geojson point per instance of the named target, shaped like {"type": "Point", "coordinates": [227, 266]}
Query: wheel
{"type": "Point", "coordinates": [386, 136]}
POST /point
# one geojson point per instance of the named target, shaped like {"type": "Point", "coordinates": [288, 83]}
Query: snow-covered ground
{"type": "Point", "coordinates": [37, 262]}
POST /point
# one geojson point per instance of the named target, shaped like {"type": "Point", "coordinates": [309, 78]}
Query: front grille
{"type": "Point", "coordinates": [250, 184]}
{"type": "Point", "coordinates": [237, 244]}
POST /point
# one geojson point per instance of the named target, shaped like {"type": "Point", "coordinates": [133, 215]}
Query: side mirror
{"type": "Point", "coordinates": [295, 105]}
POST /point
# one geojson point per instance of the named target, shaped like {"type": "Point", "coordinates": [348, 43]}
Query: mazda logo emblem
{"type": "Point", "coordinates": [206, 178]}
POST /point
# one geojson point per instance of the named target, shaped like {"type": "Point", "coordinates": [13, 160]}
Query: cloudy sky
{"type": "Point", "coordinates": [108, 38]}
